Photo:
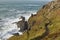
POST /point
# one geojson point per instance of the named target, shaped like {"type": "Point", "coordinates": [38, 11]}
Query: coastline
{"type": "Point", "coordinates": [11, 12]}
{"type": "Point", "coordinates": [11, 32]}
{"type": "Point", "coordinates": [43, 24]}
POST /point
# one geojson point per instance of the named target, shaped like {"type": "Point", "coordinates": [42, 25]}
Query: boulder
{"type": "Point", "coordinates": [23, 25]}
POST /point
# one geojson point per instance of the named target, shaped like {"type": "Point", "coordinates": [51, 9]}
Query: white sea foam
{"type": "Point", "coordinates": [10, 13]}
{"type": "Point", "coordinates": [34, 13]}
{"type": "Point", "coordinates": [11, 9]}
{"type": "Point", "coordinates": [9, 26]}
{"type": "Point", "coordinates": [26, 14]}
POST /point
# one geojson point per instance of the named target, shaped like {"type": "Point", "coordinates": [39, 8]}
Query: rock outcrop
{"type": "Point", "coordinates": [45, 25]}
{"type": "Point", "coordinates": [23, 25]}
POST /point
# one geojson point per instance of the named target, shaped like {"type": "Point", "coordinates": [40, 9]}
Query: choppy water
{"type": "Point", "coordinates": [10, 12]}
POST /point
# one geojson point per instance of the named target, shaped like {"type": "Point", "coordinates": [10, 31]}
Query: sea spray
{"type": "Point", "coordinates": [10, 13]}
{"type": "Point", "coordinates": [9, 28]}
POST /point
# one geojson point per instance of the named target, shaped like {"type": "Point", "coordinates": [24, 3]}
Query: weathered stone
{"type": "Point", "coordinates": [49, 19]}
{"type": "Point", "coordinates": [16, 34]}
{"type": "Point", "coordinates": [23, 25]}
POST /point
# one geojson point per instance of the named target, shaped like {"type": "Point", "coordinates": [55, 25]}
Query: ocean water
{"type": "Point", "coordinates": [10, 12]}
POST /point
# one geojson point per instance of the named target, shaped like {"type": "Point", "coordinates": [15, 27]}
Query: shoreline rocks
{"type": "Point", "coordinates": [46, 24]}
{"type": "Point", "coordinates": [23, 25]}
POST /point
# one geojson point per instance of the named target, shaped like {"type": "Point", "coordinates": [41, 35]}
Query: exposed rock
{"type": "Point", "coordinates": [45, 25]}
{"type": "Point", "coordinates": [23, 25]}
{"type": "Point", "coordinates": [16, 34]}
{"type": "Point", "coordinates": [33, 15]}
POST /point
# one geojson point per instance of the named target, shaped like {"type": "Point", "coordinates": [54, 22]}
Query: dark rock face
{"type": "Point", "coordinates": [16, 34]}
{"type": "Point", "coordinates": [46, 25]}
{"type": "Point", "coordinates": [23, 25]}
{"type": "Point", "coordinates": [33, 15]}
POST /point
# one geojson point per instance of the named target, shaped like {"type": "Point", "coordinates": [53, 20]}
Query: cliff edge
{"type": "Point", "coordinates": [45, 25]}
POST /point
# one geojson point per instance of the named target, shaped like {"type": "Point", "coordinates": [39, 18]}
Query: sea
{"type": "Point", "coordinates": [10, 12]}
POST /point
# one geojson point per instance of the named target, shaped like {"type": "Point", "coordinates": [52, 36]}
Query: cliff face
{"type": "Point", "coordinates": [45, 25]}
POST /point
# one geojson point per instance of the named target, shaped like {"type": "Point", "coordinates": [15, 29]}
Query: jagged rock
{"type": "Point", "coordinates": [33, 15]}
{"type": "Point", "coordinates": [46, 24]}
{"type": "Point", "coordinates": [23, 18]}
{"type": "Point", "coordinates": [23, 25]}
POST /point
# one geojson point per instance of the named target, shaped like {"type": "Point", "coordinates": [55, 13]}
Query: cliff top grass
{"type": "Point", "coordinates": [45, 25]}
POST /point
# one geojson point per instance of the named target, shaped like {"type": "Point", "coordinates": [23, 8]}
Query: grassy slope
{"type": "Point", "coordinates": [45, 25]}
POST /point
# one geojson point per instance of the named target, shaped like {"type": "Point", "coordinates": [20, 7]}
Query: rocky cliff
{"type": "Point", "coordinates": [45, 25]}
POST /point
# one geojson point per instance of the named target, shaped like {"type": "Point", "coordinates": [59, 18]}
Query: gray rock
{"type": "Point", "coordinates": [23, 25]}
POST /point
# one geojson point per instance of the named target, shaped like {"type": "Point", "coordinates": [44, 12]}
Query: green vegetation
{"type": "Point", "coordinates": [45, 25]}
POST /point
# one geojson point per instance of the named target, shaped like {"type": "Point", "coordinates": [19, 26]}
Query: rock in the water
{"type": "Point", "coordinates": [45, 25]}
{"type": "Point", "coordinates": [23, 25]}
{"type": "Point", "coordinates": [23, 18]}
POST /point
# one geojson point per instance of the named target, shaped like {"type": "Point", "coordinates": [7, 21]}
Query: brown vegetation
{"type": "Point", "coordinates": [45, 25]}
